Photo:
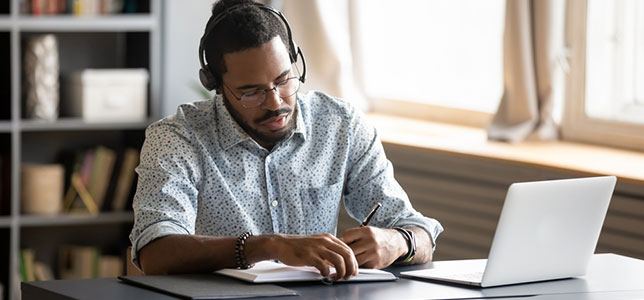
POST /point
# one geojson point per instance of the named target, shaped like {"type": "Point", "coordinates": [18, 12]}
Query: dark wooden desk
{"type": "Point", "coordinates": [609, 277]}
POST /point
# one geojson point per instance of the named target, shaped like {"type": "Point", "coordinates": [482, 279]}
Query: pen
{"type": "Point", "coordinates": [370, 215]}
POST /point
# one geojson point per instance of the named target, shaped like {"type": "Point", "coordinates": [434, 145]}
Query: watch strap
{"type": "Point", "coordinates": [411, 245]}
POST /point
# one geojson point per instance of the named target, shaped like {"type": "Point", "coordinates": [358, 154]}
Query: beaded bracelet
{"type": "Point", "coordinates": [239, 251]}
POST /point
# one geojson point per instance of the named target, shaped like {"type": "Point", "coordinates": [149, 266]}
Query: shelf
{"type": "Point", "coordinates": [5, 222]}
{"type": "Point", "coordinates": [70, 124]}
{"type": "Point", "coordinates": [5, 126]}
{"type": "Point", "coordinates": [133, 22]}
{"type": "Point", "coordinates": [76, 219]}
{"type": "Point", "coordinates": [5, 23]}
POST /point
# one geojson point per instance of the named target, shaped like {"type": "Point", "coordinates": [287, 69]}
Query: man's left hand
{"type": "Point", "coordinates": [375, 247]}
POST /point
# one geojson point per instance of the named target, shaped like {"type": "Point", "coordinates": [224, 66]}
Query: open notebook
{"type": "Point", "coordinates": [268, 271]}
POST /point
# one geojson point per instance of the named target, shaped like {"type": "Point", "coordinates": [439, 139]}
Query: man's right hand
{"type": "Point", "coordinates": [319, 251]}
{"type": "Point", "coordinates": [166, 255]}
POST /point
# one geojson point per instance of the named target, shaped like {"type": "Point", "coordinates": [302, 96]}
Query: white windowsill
{"type": "Point", "coordinates": [471, 141]}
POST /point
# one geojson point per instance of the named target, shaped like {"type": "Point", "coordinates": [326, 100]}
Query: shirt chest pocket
{"type": "Point", "coordinates": [320, 208]}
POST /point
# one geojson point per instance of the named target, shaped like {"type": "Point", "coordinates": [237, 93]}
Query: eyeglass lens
{"type": "Point", "coordinates": [284, 89]}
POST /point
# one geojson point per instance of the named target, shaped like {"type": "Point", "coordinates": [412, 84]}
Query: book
{"type": "Point", "coordinates": [86, 166]}
{"type": "Point", "coordinates": [110, 266]}
{"type": "Point", "coordinates": [100, 174]}
{"type": "Point", "coordinates": [125, 179]}
{"type": "Point", "coordinates": [99, 179]}
{"type": "Point", "coordinates": [36, 7]}
{"type": "Point", "coordinates": [78, 262]}
{"type": "Point", "coordinates": [27, 260]}
{"type": "Point", "coordinates": [42, 271]}
{"type": "Point", "coordinates": [31, 270]}
{"type": "Point", "coordinates": [74, 162]}
{"type": "Point", "coordinates": [76, 7]}
{"type": "Point", "coordinates": [78, 189]}
{"type": "Point", "coordinates": [271, 272]}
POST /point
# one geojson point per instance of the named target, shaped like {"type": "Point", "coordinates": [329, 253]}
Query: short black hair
{"type": "Point", "coordinates": [241, 29]}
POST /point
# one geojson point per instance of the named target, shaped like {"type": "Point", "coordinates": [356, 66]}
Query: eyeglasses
{"type": "Point", "coordinates": [284, 89]}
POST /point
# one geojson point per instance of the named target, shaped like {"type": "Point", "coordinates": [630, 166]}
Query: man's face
{"type": "Point", "coordinates": [254, 69]}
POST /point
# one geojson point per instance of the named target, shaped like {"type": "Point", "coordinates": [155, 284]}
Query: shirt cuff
{"type": "Point", "coordinates": [151, 233]}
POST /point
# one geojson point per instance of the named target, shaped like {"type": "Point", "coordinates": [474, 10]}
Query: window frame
{"type": "Point", "coordinates": [576, 125]}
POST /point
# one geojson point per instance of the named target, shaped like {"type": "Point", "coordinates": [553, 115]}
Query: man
{"type": "Point", "coordinates": [258, 172]}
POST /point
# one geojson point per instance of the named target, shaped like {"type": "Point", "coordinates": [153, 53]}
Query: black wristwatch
{"type": "Point", "coordinates": [411, 245]}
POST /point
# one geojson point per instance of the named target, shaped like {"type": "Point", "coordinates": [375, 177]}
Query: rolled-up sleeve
{"type": "Point", "coordinates": [370, 179]}
{"type": "Point", "coordinates": [165, 202]}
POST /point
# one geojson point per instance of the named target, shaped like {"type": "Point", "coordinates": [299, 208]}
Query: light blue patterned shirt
{"type": "Point", "coordinates": [200, 173]}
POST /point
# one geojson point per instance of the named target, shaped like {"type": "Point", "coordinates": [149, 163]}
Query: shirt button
{"type": "Point", "coordinates": [274, 203]}
{"type": "Point", "coordinates": [268, 159]}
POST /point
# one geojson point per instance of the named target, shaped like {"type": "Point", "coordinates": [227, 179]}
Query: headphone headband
{"type": "Point", "coordinates": [206, 75]}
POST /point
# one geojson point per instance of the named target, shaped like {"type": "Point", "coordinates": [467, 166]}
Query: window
{"type": "Point", "coordinates": [446, 54]}
{"type": "Point", "coordinates": [615, 61]}
{"type": "Point", "coordinates": [605, 91]}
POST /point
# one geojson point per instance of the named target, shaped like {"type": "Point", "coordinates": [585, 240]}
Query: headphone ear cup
{"type": "Point", "coordinates": [207, 79]}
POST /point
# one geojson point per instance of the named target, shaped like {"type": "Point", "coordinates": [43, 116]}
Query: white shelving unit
{"type": "Point", "coordinates": [5, 222]}
{"type": "Point", "coordinates": [70, 124]}
{"type": "Point", "coordinates": [122, 41]}
{"type": "Point", "coordinates": [5, 126]}
{"type": "Point", "coordinates": [77, 219]}
{"type": "Point", "coordinates": [138, 22]}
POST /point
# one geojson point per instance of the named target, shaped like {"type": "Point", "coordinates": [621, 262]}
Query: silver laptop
{"type": "Point", "coordinates": [547, 230]}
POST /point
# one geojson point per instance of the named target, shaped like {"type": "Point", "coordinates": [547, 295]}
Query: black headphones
{"type": "Point", "coordinates": [208, 79]}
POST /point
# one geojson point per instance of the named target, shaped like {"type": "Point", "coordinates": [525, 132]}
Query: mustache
{"type": "Point", "coordinates": [274, 113]}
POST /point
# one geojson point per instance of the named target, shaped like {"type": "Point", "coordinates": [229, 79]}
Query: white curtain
{"type": "Point", "coordinates": [533, 49]}
{"type": "Point", "coordinates": [323, 30]}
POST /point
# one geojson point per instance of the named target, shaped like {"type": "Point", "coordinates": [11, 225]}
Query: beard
{"type": "Point", "coordinates": [263, 138]}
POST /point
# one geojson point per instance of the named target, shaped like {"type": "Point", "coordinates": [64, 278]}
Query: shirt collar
{"type": "Point", "coordinates": [300, 127]}
{"type": "Point", "coordinates": [229, 131]}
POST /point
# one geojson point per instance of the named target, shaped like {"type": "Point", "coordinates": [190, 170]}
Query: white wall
{"type": "Point", "coordinates": [183, 26]}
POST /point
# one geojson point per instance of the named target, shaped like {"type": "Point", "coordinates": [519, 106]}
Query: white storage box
{"type": "Point", "coordinates": [108, 95]}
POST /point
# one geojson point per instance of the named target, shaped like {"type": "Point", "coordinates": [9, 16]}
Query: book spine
{"type": "Point", "coordinates": [125, 179]}
{"type": "Point", "coordinates": [27, 257]}
{"type": "Point", "coordinates": [35, 7]}
{"type": "Point", "coordinates": [86, 168]}
{"type": "Point", "coordinates": [25, 7]}
{"type": "Point", "coordinates": [78, 262]}
{"type": "Point", "coordinates": [96, 257]}
{"type": "Point", "coordinates": [23, 266]}
{"type": "Point", "coordinates": [77, 8]}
